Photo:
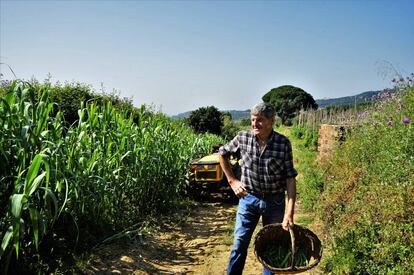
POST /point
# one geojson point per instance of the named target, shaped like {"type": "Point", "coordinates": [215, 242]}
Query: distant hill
{"type": "Point", "coordinates": [322, 103]}
{"type": "Point", "coordinates": [347, 100]}
{"type": "Point", "coordinates": [236, 115]}
{"type": "Point", "coordinates": [182, 115]}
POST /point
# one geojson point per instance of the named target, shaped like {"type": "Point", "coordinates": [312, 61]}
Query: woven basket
{"type": "Point", "coordinates": [298, 237]}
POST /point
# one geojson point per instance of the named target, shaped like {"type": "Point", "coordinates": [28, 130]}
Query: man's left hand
{"type": "Point", "coordinates": [287, 220]}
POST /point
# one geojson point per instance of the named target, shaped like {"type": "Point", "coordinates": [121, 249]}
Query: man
{"type": "Point", "coordinates": [267, 171]}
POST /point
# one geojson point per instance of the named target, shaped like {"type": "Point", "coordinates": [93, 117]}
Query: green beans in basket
{"type": "Point", "coordinates": [276, 255]}
{"type": "Point", "coordinates": [279, 256]}
{"type": "Point", "coordinates": [287, 252]}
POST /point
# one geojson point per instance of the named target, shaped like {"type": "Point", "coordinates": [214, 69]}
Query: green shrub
{"type": "Point", "coordinates": [69, 98]}
{"type": "Point", "coordinates": [308, 134]}
{"type": "Point", "coordinates": [229, 129]}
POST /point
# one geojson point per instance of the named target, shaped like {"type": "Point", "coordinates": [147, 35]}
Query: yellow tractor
{"type": "Point", "coordinates": [205, 174]}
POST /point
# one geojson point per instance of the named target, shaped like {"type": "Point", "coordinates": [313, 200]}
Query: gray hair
{"type": "Point", "coordinates": [263, 109]}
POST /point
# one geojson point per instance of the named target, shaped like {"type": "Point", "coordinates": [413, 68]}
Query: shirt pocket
{"type": "Point", "coordinates": [246, 160]}
{"type": "Point", "coordinates": [275, 167]}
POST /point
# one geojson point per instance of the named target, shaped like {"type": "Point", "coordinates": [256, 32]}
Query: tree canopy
{"type": "Point", "coordinates": [288, 100]}
{"type": "Point", "coordinates": [206, 119]}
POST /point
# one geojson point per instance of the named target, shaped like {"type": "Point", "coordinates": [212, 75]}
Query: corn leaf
{"type": "Point", "coordinates": [36, 183]}
{"type": "Point", "coordinates": [6, 240]}
{"type": "Point", "coordinates": [17, 203]}
{"type": "Point", "coordinates": [32, 173]}
{"type": "Point", "coordinates": [49, 194]}
{"type": "Point", "coordinates": [34, 216]}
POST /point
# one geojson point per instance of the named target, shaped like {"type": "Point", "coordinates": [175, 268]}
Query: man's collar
{"type": "Point", "coordinates": [271, 136]}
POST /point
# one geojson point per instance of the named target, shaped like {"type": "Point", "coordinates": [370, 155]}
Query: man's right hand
{"type": "Point", "coordinates": [235, 184]}
{"type": "Point", "coordinates": [238, 188]}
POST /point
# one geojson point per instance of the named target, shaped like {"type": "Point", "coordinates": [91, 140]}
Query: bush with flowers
{"type": "Point", "coordinates": [368, 200]}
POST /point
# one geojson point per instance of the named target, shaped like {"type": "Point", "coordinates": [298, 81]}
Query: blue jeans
{"type": "Point", "coordinates": [271, 208]}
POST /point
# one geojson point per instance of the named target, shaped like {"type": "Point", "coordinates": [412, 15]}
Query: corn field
{"type": "Point", "coordinates": [104, 171]}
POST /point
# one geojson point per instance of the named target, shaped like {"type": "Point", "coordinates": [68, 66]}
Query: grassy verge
{"type": "Point", "coordinates": [367, 204]}
{"type": "Point", "coordinates": [309, 180]}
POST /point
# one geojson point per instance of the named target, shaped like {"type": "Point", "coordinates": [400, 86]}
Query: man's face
{"type": "Point", "coordinates": [261, 125]}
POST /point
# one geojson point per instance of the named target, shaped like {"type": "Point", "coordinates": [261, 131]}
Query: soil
{"type": "Point", "coordinates": [200, 244]}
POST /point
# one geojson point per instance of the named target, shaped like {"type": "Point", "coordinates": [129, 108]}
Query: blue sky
{"type": "Point", "coordinates": [182, 55]}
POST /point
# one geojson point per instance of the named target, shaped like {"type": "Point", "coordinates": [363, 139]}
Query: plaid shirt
{"type": "Point", "coordinates": [265, 172]}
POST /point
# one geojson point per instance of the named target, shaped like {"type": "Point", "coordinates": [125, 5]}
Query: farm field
{"type": "Point", "coordinates": [92, 184]}
{"type": "Point", "coordinates": [113, 116]}
{"type": "Point", "coordinates": [198, 244]}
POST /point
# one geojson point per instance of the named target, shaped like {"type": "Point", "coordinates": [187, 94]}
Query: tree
{"type": "Point", "coordinates": [288, 100]}
{"type": "Point", "coordinates": [206, 119]}
{"type": "Point", "coordinates": [70, 95]}
{"type": "Point", "coordinates": [229, 129]}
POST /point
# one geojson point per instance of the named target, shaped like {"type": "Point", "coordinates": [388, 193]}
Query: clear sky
{"type": "Point", "coordinates": [182, 55]}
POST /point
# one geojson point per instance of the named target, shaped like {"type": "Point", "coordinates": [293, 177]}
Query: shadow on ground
{"type": "Point", "coordinates": [173, 248]}
{"type": "Point", "coordinates": [223, 195]}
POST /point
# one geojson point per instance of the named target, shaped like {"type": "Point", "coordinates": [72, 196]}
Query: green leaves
{"type": "Point", "coordinates": [206, 119]}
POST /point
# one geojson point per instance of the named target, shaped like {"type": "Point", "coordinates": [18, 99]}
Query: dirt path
{"type": "Point", "coordinates": [199, 245]}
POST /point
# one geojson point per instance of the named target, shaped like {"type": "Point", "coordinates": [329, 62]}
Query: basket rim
{"type": "Point", "coordinates": [291, 269]}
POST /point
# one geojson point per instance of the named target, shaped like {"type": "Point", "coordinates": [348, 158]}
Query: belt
{"type": "Point", "coordinates": [264, 195]}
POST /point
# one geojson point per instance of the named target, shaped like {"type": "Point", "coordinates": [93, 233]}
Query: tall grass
{"type": "Point", "coordinates": [310, 180]}
{"type": "Point", "coordinates": [104, 173]}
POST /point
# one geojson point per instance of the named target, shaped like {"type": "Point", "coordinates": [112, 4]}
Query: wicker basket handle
{"type": "Point", "coordinates": [292, 240]}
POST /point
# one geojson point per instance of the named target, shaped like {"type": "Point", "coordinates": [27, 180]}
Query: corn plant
{"type": "Point", "coordinates": [29, 205]}
{"type": "Point", "coordinates": [108, 170]}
